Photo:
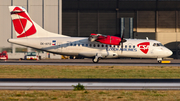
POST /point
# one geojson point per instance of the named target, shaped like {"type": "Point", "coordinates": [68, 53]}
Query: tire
{"type": "Point", "coordinates": [39, 57]}
{"type": "Point", "coordinates": [159, 61]}
{"type": "Point", "coordinates": [95, 61]}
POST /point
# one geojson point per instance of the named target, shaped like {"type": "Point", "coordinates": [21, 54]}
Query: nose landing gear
{"type": "Point", "coordinates": [159, 60]}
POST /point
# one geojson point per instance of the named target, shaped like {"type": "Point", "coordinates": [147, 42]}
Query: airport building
{"type": "Point", "coordinates": [155, 19]}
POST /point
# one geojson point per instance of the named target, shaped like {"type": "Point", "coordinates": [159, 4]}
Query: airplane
{"type": "Point", "coordinates": [96, 46]}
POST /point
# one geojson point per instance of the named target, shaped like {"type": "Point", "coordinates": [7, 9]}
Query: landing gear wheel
{"type": "Point", "coordinates": [95, 60]}
{"type": "Point", "coordinates": [159, 61]}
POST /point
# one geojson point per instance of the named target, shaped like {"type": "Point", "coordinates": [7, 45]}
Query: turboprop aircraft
{"type": "Point", "coordinates": [96, 46]}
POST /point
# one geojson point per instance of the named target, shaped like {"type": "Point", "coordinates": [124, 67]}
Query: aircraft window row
{"type": "Point", "coordinates": [90, 45]}
{"type": "Point", "coordinates": [130, 46]}
{"type": "Point", "coordinates": [100, 45]}
{"type": "Point", "coordinates": [157, 44]}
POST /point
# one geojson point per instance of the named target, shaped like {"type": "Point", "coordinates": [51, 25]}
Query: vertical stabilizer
{"type": "Point", "coordinates": [25, 27]}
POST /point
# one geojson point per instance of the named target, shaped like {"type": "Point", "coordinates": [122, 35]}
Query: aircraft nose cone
{"type": "Point", "coordinates": [169, 53]}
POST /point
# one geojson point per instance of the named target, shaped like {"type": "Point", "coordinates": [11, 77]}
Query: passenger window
{"type": "Point", "coordinates": [82, 44]}
{"type": "Point", "coordinates": [94, 45]}
{"type": "Point", "coordinates": [133, 46]}
{"type": "Point", "coordinates": [154, 44]}
{"type": "Point", "coordinates": [90, 45]}
{"type": "Point", "coordinates": [67, 44]}
{"type": "Point", "coordinates": [78, 44]}
{"type": "Point", "coordinates": [106, 45]}
{"type": "Point", "coordinates": [129, 46]}
{"type": "Point", "coordinates": [125, 46]}
{"type": "Point", "coordinates": [86, 45]}
{"type": "Point", "coordinates": [74, 44]}
{"type": "Point", "coordinates": [102, 45]}
{"type": "Point", "coordinates": [71, 44]}
{"type": "Point", "coordinates": [109, 45]}
{"type": "Point", "coordinates": [98, 45]}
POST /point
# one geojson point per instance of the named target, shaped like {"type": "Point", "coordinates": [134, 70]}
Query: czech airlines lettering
{"type": "Point", "coordinates": [120, 49]}
{"type": "Point", "coordinates": [144, 47]}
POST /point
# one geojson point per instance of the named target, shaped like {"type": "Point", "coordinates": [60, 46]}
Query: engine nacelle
{"type": "Point", "coordinates": [93, 37]}
{"type": "Point", "coordinates": [111, 40]}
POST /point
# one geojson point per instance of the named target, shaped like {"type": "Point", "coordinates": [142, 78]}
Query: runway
{"type": "Point", "coordinates": [90, 84]}
{"type": "Point", "coordinates": [88, 62]}
{"type": "Point", "coordinates": [105, 84]}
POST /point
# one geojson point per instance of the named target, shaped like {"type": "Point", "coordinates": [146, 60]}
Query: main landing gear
{"type": "Point", "coordinates": [97, 58]}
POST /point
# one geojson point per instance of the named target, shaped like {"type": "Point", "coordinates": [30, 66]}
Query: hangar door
{"type": "Point", "coordinates": [126, 27]}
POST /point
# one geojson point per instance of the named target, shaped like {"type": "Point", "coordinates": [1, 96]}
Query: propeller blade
{"type": "Point", "coordinates": [121, 46]}
{"type": "Point", "coordinates": [122, 35]}
{"type": "Point", "coordinates": [122, 40]}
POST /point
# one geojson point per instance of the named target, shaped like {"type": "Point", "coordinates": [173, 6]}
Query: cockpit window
{"type": "Point", "coordinates": [157, 44]}
{"type": "Point", "coordinates": [160, 44]}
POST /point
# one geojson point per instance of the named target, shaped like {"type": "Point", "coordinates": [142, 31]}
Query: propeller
{"type": "Point", "coordinates": [122, 40]}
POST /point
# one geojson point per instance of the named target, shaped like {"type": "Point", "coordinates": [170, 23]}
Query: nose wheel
{"type": "Point", "coordinates": [159, 60]}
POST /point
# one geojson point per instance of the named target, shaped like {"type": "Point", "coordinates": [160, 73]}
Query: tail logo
{"type": "Point", "coordinates": [144, 47]}
{"type": "Point", "coordinates": [23, 24]}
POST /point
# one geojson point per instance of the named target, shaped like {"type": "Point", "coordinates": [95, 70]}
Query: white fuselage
{"type": "Point", "coordinates": [80, 46]}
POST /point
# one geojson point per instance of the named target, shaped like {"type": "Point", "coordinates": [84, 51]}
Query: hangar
{"type": "Point", "coordinates": [155, 19]}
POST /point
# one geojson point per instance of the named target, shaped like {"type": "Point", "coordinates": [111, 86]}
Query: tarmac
{"type": "Point", "coordinates": [88, 62]}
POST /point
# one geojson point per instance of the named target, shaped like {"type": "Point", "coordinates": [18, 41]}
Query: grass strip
{"type": "Point", "coordinates": [16, 71]}
{"type": "Point", "coordinates": [89, 95]}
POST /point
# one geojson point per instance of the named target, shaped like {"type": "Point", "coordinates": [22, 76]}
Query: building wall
{"type": "Point", "coordinates": [5, 24]}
